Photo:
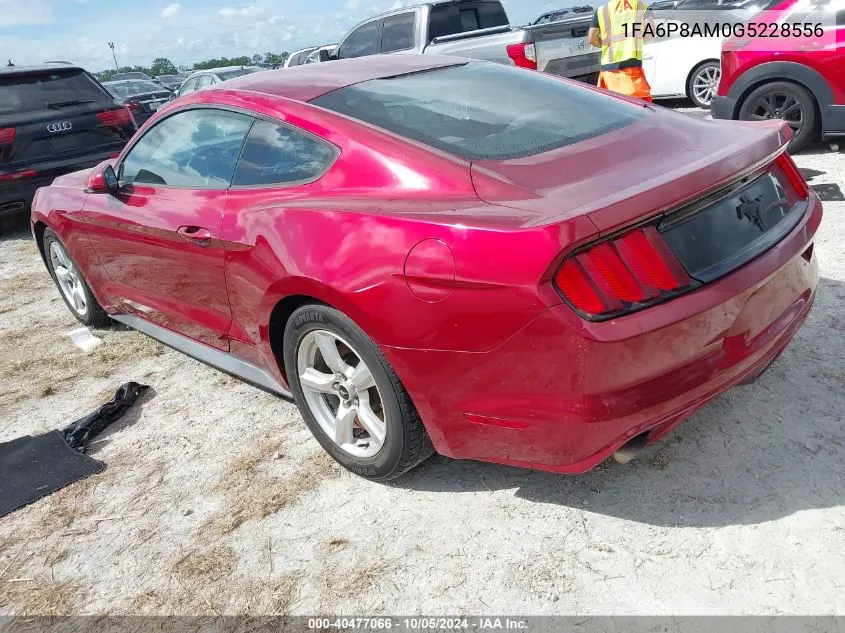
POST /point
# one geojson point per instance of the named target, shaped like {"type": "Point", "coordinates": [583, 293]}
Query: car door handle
{"type": "Point", "coordinates": [196, 234]}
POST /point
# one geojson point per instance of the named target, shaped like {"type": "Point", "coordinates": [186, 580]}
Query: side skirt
{"type": "Point", "coordinates": [223, 361]}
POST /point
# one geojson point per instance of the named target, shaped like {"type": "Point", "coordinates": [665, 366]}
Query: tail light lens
{"type": "Point", "coordinates": [790, 170]}
{"type": "Point", "coordinates": [112, 118]}
{"type": "Point", "coordinates": [523, 55]}
{"type": "Point", "coordinates": [132, 106]}
{"type": "Point", "coordinates": [622, 275]}
{"type": "Point", "coordinates": [7, 136]}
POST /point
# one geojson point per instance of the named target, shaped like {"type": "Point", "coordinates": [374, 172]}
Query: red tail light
{"type": "Point", "coordinates": [622, 275]}
{"type": "Point", "coordinates": [7, 136]}
{"type": "Point", "coordinates": [790, 170]}
{"type": "Point", "coordinates": [116, 117]}
{"type": "Point", "coordinates": [132, 106]}
{"type": "Point", "coordinates": [523, 55]}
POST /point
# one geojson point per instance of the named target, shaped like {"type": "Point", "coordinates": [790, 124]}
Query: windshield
{"type": "Point", "coordinates": [231, 74]}
{"type": "Point", "coordinates": [167, 78]}
{"type": "Point", "coordinates": [132, 88]}
{"type": "Point", "coordinates": [482, 111]}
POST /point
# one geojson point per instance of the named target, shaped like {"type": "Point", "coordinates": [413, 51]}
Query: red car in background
{"type": "Point", "coordinates": [431, 253]}
{"type": "Point", "coordinates": [802, 84]}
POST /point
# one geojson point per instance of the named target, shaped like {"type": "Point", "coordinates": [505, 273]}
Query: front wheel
{"type": "Point", "coordinates": [703, 83]}
{"type": "Point", "coordinates": [350, 397]}
{"type": "Point", "coordinates": [788, 102]}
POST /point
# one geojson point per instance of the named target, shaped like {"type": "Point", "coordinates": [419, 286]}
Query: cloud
{"type": "Point", "coordinates": [170, 11]}
{"type": "Point", "coordinates": [245, 12]}
{"type": "Point", "coordinates": [16, 13]}
{"type": "Point", "coordinates": [352, 5]}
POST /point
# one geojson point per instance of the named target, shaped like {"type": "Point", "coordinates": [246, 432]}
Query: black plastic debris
{"type": "Point", "coordinates": [78, 433]}
{"type": "Point", "coordinates": [33, 467]}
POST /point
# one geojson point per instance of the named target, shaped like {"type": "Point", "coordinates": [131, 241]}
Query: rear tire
{"type": "Point", "coordinates": [350, 397]}
{"type": "Point", "coordinates": [783, 100]}
{"type": "Point", "coordinates": [72, 286]}
{"type": "Point", "coordinates": [702, 84]}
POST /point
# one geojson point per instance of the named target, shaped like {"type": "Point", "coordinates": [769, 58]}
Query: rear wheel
{"type": "Point", "coordinates": [786, 101]}
{"type": "Point", "coordinates": [71, 284]}
{"type": "Point", "coordinates": [702, 84]}
{"type": "Point", "coordinates": [350, 397]}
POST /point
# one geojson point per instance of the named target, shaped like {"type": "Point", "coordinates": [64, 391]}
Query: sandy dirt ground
{"type": "Point", "coordinates": [217, 500]}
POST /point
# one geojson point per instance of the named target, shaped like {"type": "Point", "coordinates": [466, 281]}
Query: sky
{"type": "Point", "coordinates": [187, 31]}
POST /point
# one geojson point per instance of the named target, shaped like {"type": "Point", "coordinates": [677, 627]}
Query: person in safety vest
{"type": "Point", "coordinates": [619, 28]}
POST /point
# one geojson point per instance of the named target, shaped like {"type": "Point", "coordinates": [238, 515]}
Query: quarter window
{"type": "Point", "coordinates": [362, 41]}
{"type": "Point", "coordinates": [398, 33]}
{"type": "Point", "coordinates": [275, 154]}
{"type": "Point", "coordinates": [194, 148]}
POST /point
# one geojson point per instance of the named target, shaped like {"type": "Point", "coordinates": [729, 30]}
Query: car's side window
{"type": "Point", "coordinates": [362, 41]}
{"type": "Point", "coordinates": [276, 154]}
{"type": "Point", "coordinates": [205, 80]}
{"type": "Point", "coordinates": [195, 148]}
{"type": "Point", "coordinates": [190, 86]}
{"type": "Point", "coordinates": [398, 32]}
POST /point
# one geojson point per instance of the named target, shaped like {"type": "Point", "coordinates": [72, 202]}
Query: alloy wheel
{"type": "Point", "coordinates": [341, 393]}
{"type": "Point", "coordinates": [69, 279]}
{"type": "Point", "coordinates": [705, 83]}
{"type": "Point", "coordinates": [778, 104]}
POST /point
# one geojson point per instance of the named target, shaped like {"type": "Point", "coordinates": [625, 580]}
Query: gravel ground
{"type": "Point", "coordinates": [217, 500]}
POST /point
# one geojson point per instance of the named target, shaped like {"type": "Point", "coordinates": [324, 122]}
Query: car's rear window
{"type": "Point", "coordinates": [44, 91]}
{"type": "Point", "coordinates": [483, 111]}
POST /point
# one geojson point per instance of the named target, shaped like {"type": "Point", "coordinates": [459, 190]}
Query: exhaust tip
{"type": "Point", "coordinates": [631, 449]}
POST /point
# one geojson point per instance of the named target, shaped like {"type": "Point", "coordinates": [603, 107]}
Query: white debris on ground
{"type": "Point", "coordinates": [217, 499]}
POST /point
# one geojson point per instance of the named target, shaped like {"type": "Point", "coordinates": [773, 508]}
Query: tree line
{"type": "Point", "coordinates": [163, 66]}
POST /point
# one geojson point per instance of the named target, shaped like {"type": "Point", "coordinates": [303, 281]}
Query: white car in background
{"type": "Point", "coordinates": [683, 67]}
{"type": "Point", "coordinates": [314, 56]}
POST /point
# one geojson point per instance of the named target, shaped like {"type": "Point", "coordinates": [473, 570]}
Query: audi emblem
{"type": "Point", "coordinates": [61, 126]}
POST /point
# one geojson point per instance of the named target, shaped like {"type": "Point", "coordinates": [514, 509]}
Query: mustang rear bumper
{"type": "Point", "coordinates": [563, 394]}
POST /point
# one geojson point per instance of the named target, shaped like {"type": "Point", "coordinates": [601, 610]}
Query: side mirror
{"type": "Point", "coordinates": [325, 55]}
{"type": "Point", "coordinates": [103, 180]}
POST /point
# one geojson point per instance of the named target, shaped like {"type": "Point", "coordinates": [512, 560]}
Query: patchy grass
{"type": "Point", "coordinates": [230, 595]}
{"type": "Point", "coordinates": [39, 596]}
{"type": "Point", "coordinates": [38, 360]}
{"type": "Point", "coordinates": [342, 584]}
{"type": "Point", "coordinates": [213, 565]}
{"type": "Point", "coordinates": [251, 493]}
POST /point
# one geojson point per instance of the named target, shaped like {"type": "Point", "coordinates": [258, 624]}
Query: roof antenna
{"type": "Point", "coordinates": [10, 63]}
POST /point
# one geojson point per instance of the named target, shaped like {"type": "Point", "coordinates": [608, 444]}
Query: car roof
{"type": "Point", "coordinates": [309, 81]}
{"type": "Point", "coordinates": [36, 68]}
{"type": "Point", "coordinates": [125, 81]}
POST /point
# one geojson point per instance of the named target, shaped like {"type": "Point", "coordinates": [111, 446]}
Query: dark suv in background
{"type": "Point", "coordinates": [55, 118]}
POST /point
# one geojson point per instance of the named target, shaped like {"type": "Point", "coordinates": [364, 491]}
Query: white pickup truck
{"type": "Point", "coordinates": [478, 29]}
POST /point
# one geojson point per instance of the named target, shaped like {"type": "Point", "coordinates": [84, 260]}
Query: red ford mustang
{"type": "Point", "coordinates": [435, 254]}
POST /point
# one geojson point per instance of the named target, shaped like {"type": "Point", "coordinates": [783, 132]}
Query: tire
{"type": "Point", "coordinates": [782, 99]}
{"type": "Point", "coordinates": [396, 440]}
{"type": "Point", "coordinates": [72, 287]}
{"type": "Point", "coordinates": [702, 84]}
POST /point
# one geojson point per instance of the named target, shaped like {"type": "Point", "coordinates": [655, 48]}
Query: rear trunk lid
{"type": "Point", "coordinates": [718, 194]}
{"type": "Point", "coordinates": [53, 115]}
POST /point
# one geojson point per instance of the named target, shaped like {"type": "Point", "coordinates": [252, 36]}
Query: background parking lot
{"type": "Point", "coordinates": [218, 500]}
